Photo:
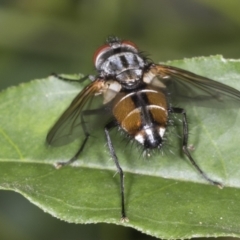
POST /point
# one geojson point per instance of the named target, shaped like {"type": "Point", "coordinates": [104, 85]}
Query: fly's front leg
{"type": "Point", "coordinates": [115, 159]}
{"type": "Point", "coordinates": [86, 133]}
{"type": "Point", "coordinates": [185, 146]}
{"type": "Point", "coordinates": [80, 80]}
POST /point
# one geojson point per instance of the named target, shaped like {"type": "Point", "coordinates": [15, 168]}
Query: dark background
{"type": "Point", "coordinates": [38, 37]}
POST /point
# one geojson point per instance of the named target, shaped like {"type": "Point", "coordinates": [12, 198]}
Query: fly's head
{"type": "Point", "coordinates": [120, 61]}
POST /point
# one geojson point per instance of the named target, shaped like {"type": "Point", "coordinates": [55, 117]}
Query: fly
{"type": "Point", "coordinates": [137, 94]}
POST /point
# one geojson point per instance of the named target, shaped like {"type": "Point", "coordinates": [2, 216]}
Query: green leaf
{"type": "Point", "coordinates": [165, 196]}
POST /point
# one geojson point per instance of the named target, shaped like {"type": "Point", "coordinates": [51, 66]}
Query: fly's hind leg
{"type": "Point", "coordinates": [115, 159]}
{"type": "Point", "coordinates": [185, 146]}
{"type": "Point", "coordinates": [86, 133]}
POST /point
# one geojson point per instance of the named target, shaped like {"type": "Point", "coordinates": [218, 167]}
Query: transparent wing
{"type": "Point", "coordinates": [68, 127]}
{"type": "Point", "coordinates": [186, 87]}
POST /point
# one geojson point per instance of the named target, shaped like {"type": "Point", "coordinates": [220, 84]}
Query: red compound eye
{"type": "Point", "coordinates": [99, 51]}
{"type": "Point", "coordinates": [110, 47]}
{"type": "Point", "coordinates": [129, 43]}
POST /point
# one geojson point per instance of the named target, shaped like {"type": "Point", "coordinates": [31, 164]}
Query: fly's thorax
{"type": "Point", "coordinates": [125, 67]}
{"type": "Point", "coordinates": [143, 115]}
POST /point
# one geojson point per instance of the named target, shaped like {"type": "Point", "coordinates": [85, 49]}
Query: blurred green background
{"type": "Point", "coordinates": [38, 37]}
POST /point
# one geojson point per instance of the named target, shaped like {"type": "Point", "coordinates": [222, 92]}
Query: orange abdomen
{"type": "Point", "coordinates": [143, 115]}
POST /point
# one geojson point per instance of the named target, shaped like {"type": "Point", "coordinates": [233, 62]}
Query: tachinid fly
{"type": "Point", "coordinates": [137, 94]}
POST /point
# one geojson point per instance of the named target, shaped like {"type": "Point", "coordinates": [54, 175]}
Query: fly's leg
{"type": "Point", "coordinates": [185, 146]}
{"type": "Point", "coordinates": [86, 133]}
{"type": "Point", "coordinates": [80, 80]}
{"type": "Point", "coordinates": [115, 159]}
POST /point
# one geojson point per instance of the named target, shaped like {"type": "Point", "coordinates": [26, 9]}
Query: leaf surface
{"type": "Point", "coordinates": [165, 196]}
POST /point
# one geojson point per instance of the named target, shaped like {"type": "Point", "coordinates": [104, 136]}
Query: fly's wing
{"type": "Point", "coordinates": [68, 127]}
{"type": "Point", "coordinates": [186, 87]}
